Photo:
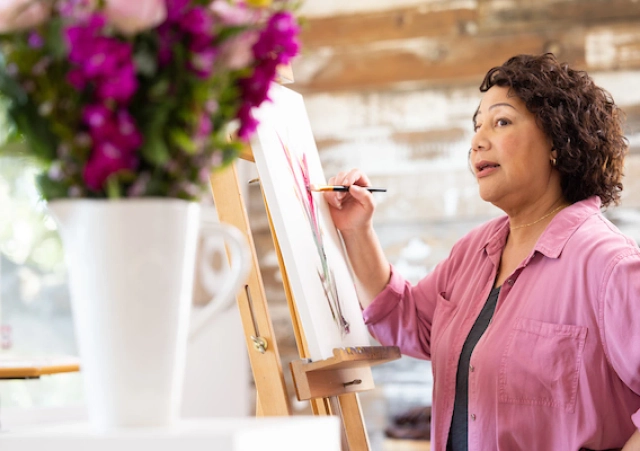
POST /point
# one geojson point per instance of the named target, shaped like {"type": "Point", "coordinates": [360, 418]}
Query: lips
{"type": "Point", "coordinates": [485, 167]}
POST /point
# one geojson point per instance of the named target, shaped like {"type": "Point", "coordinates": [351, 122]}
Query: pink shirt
{"type": "Point", "coordinates": [558, 368]}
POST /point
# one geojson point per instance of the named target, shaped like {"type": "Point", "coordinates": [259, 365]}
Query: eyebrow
{"type": "Point", "coordinates": [495, 105]}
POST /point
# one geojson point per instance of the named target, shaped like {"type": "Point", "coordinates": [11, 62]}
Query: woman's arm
{"type": "Point", "coordinates": [352, 214]}
{"type": "Point", "coordinates": [370, 266]}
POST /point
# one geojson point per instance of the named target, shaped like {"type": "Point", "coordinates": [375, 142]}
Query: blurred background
{"type": "Point", "coordinates": [390, 87]}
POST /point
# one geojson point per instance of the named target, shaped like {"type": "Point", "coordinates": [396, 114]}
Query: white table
{"type": "Point", "coordinates": [309, 433]}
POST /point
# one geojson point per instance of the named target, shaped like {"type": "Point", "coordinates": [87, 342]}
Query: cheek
{"type": "Point", "coordinates": [521, 155]}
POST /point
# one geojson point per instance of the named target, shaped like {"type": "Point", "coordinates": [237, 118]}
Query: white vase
{"type": "Point", "coordinates": [131, 265]}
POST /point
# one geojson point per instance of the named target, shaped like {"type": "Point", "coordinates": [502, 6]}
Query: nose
{"type": "Point", "coordinates": [479, 140]}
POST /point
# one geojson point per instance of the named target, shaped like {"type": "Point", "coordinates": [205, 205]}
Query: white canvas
{"type": "Point", "coordinates": [323, 288]}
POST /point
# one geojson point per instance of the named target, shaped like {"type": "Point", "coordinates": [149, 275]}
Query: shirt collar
{"type": "Point", "coordinates": [555, 236]}
{"type": "Point", "coordinates": [567, 221]}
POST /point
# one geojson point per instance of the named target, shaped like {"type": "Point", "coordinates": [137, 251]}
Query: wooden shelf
{"type": "Point", "coordinates": [348, 371]}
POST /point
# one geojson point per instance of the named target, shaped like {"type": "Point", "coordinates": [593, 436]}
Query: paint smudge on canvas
{"type": "Point", "coordinates": [300, 172]}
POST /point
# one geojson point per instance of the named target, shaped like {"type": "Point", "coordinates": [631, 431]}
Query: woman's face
{"type": "Point", "coordinates": [510, 154]}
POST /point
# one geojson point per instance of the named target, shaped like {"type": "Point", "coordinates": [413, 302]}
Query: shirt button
{"type": "Point", "coordinates": [510, 281]}
{"type": "Point", "coordinates": [471, 368]}
{"type": "Point", "coordinates": [473, 417]}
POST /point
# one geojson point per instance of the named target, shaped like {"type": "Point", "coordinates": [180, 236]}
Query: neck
{"type": "Point", "coordinates": [540, 221]}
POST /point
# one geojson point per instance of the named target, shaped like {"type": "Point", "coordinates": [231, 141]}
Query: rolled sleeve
{"type": "Point", "coordinates": [620, 317]}
{"type": "Point", "coordinates": [386, 301]}
{"type": "Point", "coordinates": [636, 419]}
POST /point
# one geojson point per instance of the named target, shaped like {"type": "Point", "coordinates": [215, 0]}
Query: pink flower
{"type": "Point", "coordinates": [21, 14]}
{"type": "Point", "coordinates": [132, 16]}
{"type": "Point", "coordinates": [233, 14]}
{"type": "Point", "coordinates": [237, 51]}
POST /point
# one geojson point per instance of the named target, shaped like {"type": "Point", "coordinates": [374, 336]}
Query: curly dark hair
{"type": "Point", "coordinates": [581, 119]}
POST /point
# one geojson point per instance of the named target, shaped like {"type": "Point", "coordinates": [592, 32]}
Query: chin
{"type": "Point", "coordinates": [490, 197]}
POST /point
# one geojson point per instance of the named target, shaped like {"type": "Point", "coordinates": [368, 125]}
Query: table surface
{"type": "Point", "coordinates": [27, 367]}
{"type": "Point", "coordinates": [311, 433]}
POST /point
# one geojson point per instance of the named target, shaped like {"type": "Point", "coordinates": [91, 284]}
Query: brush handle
{"type": "Point", "coordinates": [343, 188]}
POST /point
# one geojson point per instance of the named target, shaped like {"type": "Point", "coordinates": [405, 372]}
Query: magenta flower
{"type": "Point", "coordinates": [248, 123]}
{"type": "Point", "coordinates": [105, 57]}
{"type": "Point", "coordinates": [202, 62]}
{"type": "Point", "coordinates": [255, 89]}
{"type": "Point", "coordinates": [106, 159]}
{"type": "Point", "coordinates": [166, 40]}
{"type": "Point", "coordinates": [96, 116]}
{"type": "Point", "coordinates": [120, 86]}
{"type": "Point", "coordinates": [34, 40]}
{"type": "Point", "coordinates": [175, 9]}
{"type": "Point", "coordinates": [279, 39]}
{"type": "Point", "coordinates": [205, 127]}
{"type": "Point", "coordinates": [197, 21]}
{"type": "Point", "coordinates": [80, 38]}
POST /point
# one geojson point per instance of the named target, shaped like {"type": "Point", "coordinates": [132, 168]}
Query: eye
{"type": "Point", "coordinates": [476, 127]}
{"type": "Point", "coordinates": [502, 122]}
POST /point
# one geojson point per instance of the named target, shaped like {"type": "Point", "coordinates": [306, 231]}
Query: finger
{"type": "Point", "coordinates": [356, 177]}
{"type": "Point", "coordinates": [362, 196]}
{"type": "Point", "coordinates": [333, 198]}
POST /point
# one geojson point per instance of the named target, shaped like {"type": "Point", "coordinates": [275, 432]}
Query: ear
{"type": "Point", "coordinates": [554, 153]}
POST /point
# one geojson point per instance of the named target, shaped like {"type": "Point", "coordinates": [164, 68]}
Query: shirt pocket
{"type": "Point", "coordinates": [541, 364]}
{"type": "Point", "coordinates": [442, 315]}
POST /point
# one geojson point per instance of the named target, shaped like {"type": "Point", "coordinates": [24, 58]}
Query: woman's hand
{"type": "Point", "coordinates": [352, 214]}
{"type": "Point", "coordinates": [352, 210]}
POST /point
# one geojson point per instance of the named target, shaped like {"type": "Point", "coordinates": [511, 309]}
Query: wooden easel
{"type": "Point", "coordinates": [330, 385]}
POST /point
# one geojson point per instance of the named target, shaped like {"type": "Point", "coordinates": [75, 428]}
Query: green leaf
{"type": "Point", "coordinates": [51, 189]}
{"type": "Point", "coordinates": [155, 149]}
{"type": "Point", "coordinates": [182, 140]}
{"type": "Point", "coordinates": [146, 63]}
{"type": "Point", "coordinates": [159, 89]}
{"type": "Point", "coordinates": [113, 187]}
{"type": "Point", "coordinates": [10, 87]}
{"type": "Point", "coordinates": [14, 148]}
{"type": "Point", "coordinates": [54, 39]}
{"type": "Point", "coordinates": [35, 129]}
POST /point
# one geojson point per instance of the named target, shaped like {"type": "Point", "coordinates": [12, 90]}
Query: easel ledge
{"type": "Point", "coordinates": [348, 371]}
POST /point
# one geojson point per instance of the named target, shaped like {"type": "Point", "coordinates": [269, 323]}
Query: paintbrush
{"type": "Point", "coordinates": [344, 188]}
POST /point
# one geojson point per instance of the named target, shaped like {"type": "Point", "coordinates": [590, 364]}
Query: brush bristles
{"type": "Point", "coordinates": [313, 187]}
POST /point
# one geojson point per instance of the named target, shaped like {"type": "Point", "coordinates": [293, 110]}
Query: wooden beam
{"type": "Point", "coordinates": [430, 46]}
{"type": "Point", "coordinates": [542, 15]}
{"type": "Point", "coordinates": [488, 18]}
{"type": "Point", "coordinates": [429, 62]}
{"type": "Point", "coordinates": [354, 29]}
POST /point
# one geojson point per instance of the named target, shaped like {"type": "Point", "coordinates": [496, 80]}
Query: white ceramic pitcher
{"type": "Point", "coordinates": [131, 267]}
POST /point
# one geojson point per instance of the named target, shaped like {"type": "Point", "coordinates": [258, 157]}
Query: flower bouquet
{"type": "Point", "coordinates": [130, 105]}
{"type": "Point", "coordinates": [132, 98]}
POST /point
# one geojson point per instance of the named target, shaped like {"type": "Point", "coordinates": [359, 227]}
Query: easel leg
{"type": "Point", "coordinates": [353, 422]}
{"type": "Point", "coordinates": [321, 406]}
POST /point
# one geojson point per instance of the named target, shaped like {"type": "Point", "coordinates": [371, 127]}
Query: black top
{"type": "Point", "coordinates": [459, 433]}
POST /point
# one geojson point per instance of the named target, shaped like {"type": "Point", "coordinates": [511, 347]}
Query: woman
{"type": "Point", "coordinates": [533, 321]}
